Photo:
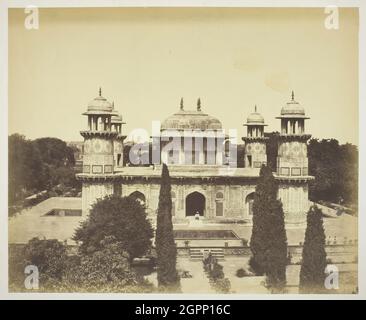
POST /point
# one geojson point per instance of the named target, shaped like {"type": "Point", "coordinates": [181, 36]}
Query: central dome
{"type": "Point", "coordinates": [190, 119]}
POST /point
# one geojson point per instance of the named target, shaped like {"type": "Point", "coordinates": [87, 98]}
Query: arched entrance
{"type": "Point", "coordinates": [195, 203]}
{"type": "Point", "coordinates": [139, 196]}
{"type": "Point", "coordinates": [249, 203]}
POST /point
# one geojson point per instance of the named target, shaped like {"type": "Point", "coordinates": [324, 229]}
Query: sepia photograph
{"type": "Point", "coordinates": [183, 150]}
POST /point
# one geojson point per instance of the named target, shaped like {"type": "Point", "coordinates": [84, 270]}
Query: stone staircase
{"type": "Point", "coordinates": [198, 253]}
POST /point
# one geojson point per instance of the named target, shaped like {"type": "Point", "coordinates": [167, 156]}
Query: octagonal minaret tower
{"type": "Point", "coordinates": [255, 141]}
{"type": "Point", "coordinates": [117, 123]}
{"type": "Point", "coordinates": [98, 153]}
{"type": "Point", "coordinates": [292, 162]}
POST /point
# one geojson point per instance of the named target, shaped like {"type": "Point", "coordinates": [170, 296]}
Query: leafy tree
{"type": "Point", "coordinates": [335, 168]}
{"type": "Point", "coordinates": [38, 165]}
{"type": "Point", "coordinates": [314, 259]}
{"type": "Point", "coordinates": [55, 152]}
{"type": "Point", "coordinates": [123, 218]}
{"type": "Point", "coordinates": [64, 176]}
{"type": "Point", "coordinates": [265, 194]}
{"type": "Point", "coordinates": [58, 162]}
{"type": "Point", "coordinates": [48, 255]}
{"type": "Point", "coordinates": [240, 155]}
{"type": "Point", "coordinates": [268, 240]}
{"type": "Point", "coordinates": [165, 246]}
{"type": "Point", "coordinates": [25, 167]}
{"type": "Point", "coordinates": [277, 259]}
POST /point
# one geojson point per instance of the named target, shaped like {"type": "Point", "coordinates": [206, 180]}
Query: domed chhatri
{"type": "Point", "coordinates": [255, 141]}
{"type": "Point", "coordinates": [293, 118]}
{"type": "Point", "coordinates": [292, 109]}
{"type": "Point", "coordinates": [116, 117]}
{"type": "Point", "coordinates": [255, 118]}
{"type": "Point", "coordinates": [99, 105]}
{"type": "Point", "coordinates": [191, 119]}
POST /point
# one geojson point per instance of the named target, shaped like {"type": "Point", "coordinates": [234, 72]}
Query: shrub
{"type": "Point", "coordinates": [216, 274]}
{"type": "Point", "coordinates": [240, 273]}
{"type": "Point", "coordinates": [48, 255]}
{"type": "Point", "coordinates": [124, 219]}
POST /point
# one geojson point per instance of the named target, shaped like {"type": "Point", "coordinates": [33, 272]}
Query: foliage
{"type": "Point", "coordinates": [48, 256]}
{"type": "Point", "coordinates": [104, 270]}
{"type": "Point", "coordinates": [123, 218]}
{"type": "Point", "coordinates": [268, 240]}
{"type": "Point", "coordinates": [241, 273]}
{"type": "Point", "coordinates": [335, 168]}
{"type": "Point", "coordinates": [38, 165]}
{"type": "Point", "coordinates": [240, 155]}
{"type": "Point", "coordinates": [165, 245]}
{"type": "Point", "coordinates": [55, 152]}
{"type": "Point", "coordinates": [277, 258]}
{"type": "Point", "coordinates": [314, 259]}
{"type": "Point", "coordinates": [265, 195]}
{"type": "Point", "coordinates": [25, 167]}
{"type": "Point", "coordinates": [216, 274]}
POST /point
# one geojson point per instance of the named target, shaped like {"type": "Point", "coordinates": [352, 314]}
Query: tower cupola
{"type": "Point", "coordinates": [255, 141]}
{"type": "Point", "coordinates": [292, 117]}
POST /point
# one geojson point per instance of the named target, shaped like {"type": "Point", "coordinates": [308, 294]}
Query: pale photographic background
{"type": "Point", "coordinates": [146, 59]}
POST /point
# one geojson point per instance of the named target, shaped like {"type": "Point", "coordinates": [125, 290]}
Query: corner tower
{"type": "Point", "coordinates": [98, 162]}
{"type": "Point", "coordinates": [292, 162]}
{"type": "Point", "coordinates": [255, 141]}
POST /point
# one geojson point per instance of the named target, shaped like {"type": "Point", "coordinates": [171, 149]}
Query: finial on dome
{"type": "Point", "coordinates": [255, 108]}
{"type": "Point", "coordinates": [293, 96]}
{"type": "Point", "coordinates": [100, 91]}
{"type": "Point", "coordinates": [199, 104]}
{"type": "Point", "coordinates": [181, 104]}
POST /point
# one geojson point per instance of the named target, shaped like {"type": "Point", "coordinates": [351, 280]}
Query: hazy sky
{"type": "Point", "coordinates": [145, 60]}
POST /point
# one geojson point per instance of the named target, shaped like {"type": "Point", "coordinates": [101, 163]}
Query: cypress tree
{"type": "Point", "coordinates": [165, 246]}
{"type": "Point", "coordinates": [263, 197]}
{"type": "Point", "coordinates": [268, 241]}
{"type": "Point", "coordinates": [277, 247]}
{"type": "Point", "coordinates": [314, 258]}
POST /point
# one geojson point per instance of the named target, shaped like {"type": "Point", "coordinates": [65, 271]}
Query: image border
{"type": "Point", "coordinates": [5, 5]}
